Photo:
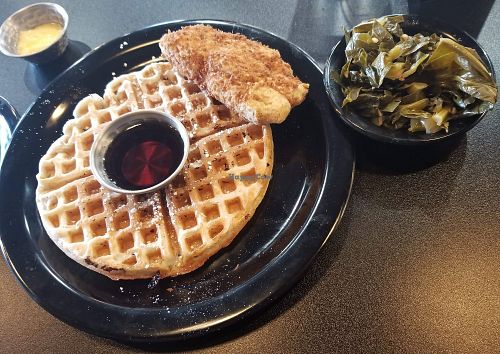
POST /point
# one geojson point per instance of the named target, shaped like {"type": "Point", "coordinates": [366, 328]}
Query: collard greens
{"type": "Point", "coordinates": [418, 82]}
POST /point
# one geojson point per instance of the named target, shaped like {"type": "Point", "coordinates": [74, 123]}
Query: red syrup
{"type": "Point", "coordinates": [143, 155]}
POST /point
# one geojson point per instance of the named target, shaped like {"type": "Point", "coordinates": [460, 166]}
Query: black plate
{"type": "Point", "coordinates": [306, 197]}
{"type": "Point", "coordinates": [412, 24]}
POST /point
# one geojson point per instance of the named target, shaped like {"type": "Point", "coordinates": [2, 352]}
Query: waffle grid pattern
{"type": "Point", "coordinates": [171, 231]}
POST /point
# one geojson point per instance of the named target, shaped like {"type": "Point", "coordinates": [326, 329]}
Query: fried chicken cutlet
{"type": "Point", "coordinates": [245, 75]}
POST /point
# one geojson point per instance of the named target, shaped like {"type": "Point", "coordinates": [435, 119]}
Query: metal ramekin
{"type": "Point", "coordinates": [113, 129]}
{"type": "Point", "coordinates": [28, 18]}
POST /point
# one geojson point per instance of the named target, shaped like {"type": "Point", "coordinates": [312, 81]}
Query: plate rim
{"type": "Point", "coordinates": [251, 309]}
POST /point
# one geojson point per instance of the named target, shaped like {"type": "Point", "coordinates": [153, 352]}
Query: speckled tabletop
{"type": "Point", "coordinates": [415, 263]}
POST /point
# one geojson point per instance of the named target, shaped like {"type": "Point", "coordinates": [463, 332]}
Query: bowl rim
{"type": "Point", "coordinates": [130, 117]}
{"type": "Point", "coordinates": [58, 8]}
{"type": "Point", "coordinates": [448, 30]}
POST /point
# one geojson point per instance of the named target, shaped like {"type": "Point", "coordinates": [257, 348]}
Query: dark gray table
{"type": "Point", "coordinates": [415, 263]}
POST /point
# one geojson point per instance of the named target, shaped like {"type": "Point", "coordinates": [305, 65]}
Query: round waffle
{"type": "Point", "coordinates": [171, 231]}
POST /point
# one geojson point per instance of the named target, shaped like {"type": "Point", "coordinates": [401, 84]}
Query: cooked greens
{"type": "Point", "coordinates": [418, 82]}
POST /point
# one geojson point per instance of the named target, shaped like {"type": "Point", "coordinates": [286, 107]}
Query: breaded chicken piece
{"type": "Point", "coordinates": [247, 76]}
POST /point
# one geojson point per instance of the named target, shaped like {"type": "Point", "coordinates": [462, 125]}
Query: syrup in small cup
{"type": "Point", "coordinates": [140, 152]}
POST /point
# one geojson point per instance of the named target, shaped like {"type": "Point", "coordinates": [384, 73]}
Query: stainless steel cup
{"type": "Point", "coordinates": [118, 126]}
{"type": "Point", "coordinates": [28, 18]}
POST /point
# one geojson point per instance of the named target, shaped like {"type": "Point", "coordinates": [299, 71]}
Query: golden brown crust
{"type": "Point", "coordinates": [236, 70]}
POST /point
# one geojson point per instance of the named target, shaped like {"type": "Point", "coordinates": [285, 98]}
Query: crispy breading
{"type": "Point", "coordinates": [247, 76]}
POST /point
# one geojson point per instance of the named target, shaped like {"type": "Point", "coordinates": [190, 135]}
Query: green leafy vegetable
{"type": "Point", "coordinates": [418, 82]}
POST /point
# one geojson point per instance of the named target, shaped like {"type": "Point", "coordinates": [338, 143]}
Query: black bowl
{"type": "Point", "coordinates": [412, 24]}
